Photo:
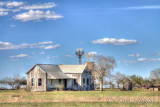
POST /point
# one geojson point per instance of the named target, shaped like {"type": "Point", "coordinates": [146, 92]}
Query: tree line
{"type": "Point", "coordinates": [103, 76]}
{"type": "Point", "coordinates": [15, 82]}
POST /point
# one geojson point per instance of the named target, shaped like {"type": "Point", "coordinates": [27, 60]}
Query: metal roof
{"type": "Point", "coordinates": [72, 68]}
{"type": "Point", "coordinates": [53, 70]}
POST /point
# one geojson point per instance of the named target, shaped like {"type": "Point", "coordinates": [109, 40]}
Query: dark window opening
{"type": "Point", "coordinates": [51, 82]}
{"type": "Point", "coordinates": [75, 82]}
{"type": "Point", "coordinates": [83, 81]}
{"type": "Point", "coordinates": [87, 81]}
{"type": "Point", "coordinates": [39, 82]}
{"type": "Point", "coordinates": [59, 81]}
{"type": "Point", "coordinates": [32, 81]}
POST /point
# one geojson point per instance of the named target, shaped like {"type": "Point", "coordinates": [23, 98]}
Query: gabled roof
{"type": "Point", "coordinates": [52, 70]}
{"type": "Point", "coordinates": [72, 68]}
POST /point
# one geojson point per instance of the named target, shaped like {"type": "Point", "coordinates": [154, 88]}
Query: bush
{"type": "Point", "coordinates": [60, 87]}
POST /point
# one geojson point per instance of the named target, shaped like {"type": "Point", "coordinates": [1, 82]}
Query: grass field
{"type": "Point", "coordinates": [79, 98]}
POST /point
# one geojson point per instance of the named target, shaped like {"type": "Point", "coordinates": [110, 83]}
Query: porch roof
{"type": "Point", "coordinates": [54, 71]}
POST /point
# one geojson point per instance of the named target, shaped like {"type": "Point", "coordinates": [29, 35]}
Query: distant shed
{"type": "Point", "coordinates": [126, 84]}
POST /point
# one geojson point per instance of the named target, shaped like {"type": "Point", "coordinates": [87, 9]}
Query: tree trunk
{"type": "Point", "coordinates": [118, 85]}
{"type": "Point", "coordinates": [101, 85]}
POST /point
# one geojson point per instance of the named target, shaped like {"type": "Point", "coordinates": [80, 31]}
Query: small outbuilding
{"type": "Point", "coordinates": [126, 84]}
{"type": "Point", "coordinates": [154, 87]}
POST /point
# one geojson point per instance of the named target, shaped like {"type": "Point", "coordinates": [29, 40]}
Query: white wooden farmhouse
{"type": "Point", "coordinates": [45, 77]}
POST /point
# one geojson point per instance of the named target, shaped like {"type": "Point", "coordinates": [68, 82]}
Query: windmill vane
{"type": "Point", "coordinates": [79, 52]}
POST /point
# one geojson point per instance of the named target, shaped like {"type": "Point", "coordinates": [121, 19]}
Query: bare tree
{"type": "Point", "coordinates": [155, 76]}
{"type": "Point", "coordinates": [103, 66]}
{"type": "Point", "coordinates": [119, 77]}
{"type": "Point", "coordinates": [8, 81]}
{"type": "Point", "coordinates": [14, 83]}
{"type": "Point", "coordinates": [19, 81]}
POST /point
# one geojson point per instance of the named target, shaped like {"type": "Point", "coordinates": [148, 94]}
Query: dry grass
{"type": "Point", "coordinates": [12, 96]}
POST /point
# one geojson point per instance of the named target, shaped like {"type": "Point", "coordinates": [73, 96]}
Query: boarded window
{"type": "Point", "coordinates": [83, 81]}
{"type": "Point", "coordinates": [32, 81]}
{"type": "Point", "coordinates": [87, 81]}
{"type": "Point", "coordinates": [39, 81]}
{"type": "Point", "coordinates": [75, 82]}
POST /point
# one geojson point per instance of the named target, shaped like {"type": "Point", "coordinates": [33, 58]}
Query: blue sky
{"type": "Point", "coordinates": [48, 32]}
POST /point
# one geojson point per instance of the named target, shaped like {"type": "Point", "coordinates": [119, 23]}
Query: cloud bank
{"type": "Point", "coordinates": [134, 55]}
{"type": "Point", "coordinates": [37, 15]}
{"type": "Point", "coordinates": [33, 12]}
{"type": "Point", "coordinates": [42, 45]}
{"type": "Point", "coordinates": [19, 56]}
{"type": "Point", "coordinates": [114, 41]}
{"type": "Point", "coordinates": [144, 7]}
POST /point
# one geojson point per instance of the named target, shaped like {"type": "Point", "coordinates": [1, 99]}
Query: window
{"type": "Point", "coordinates": [51, 82]}
{"type": "Point", "coordinates": [59, 81]}
{"type": "Point", "coordinates": [39, 81]}
{"type": "Point", "coordinates": [87, 81]}
{"type": "Point", "coordinates": [83, 81]}
{"type": "Point", "coordinates": [75, 82]}
{"type": "Point", "coordinates": [32, 81]}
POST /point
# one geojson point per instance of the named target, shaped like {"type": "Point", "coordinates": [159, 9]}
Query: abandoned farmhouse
{"type": "Point", "coordinates": [46, 77]}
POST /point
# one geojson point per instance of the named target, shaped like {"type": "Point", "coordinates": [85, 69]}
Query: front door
{"type": "Point", "coordinates": [65, 83]}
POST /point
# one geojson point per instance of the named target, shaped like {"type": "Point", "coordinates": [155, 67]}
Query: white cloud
{"type": "Point", "coordinates": [144, 7]}
{"type": "Point", "coordinates": [19, 56]}
{"type": "Point", "coordinates": [48, 57]}
{"type": "Point", "coordinates": [128, 61]}
{"type": "Point", "coordinates": [142, 60]}
{"type": "Point", "coordinates": [14, 4]}
{"type": "Point", "coordinates": [42, 53]}
{"type": "Point", "coordinates": [43, 45]}
{"type": "Point", "coordinates": [3, 13]}
{"type": "Point", "coordinates": [3, 9]}
{"type": "Point", "coordinates": [148, 59]}
{"type": "Point", "coordinates": [92, 53]}
{"type": "Point", "coordinates": [37, 15]}
{"type": "Point", "coordinates": [39, 6]}
{"type": "Point", "coordinates": [114, 41]}
{"type": "Point", "coordinates": [134, 55]}
{"type": "Point", "coordinates": [12, 25]}
{"type": "Point", "coordinates": [2, 3]}
{"type": "Point", "coordinates": [52, 46]}
{"type": "Point", "coordinates": [14, 59]}
{"type": "Point", "coordinates": [69, 56]}
{"type": "Point", "coordinates": [10, 4]}
{"type": "Point", "coordinates": [39, 53]}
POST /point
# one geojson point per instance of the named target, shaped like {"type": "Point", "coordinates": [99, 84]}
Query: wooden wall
{"type": "Point", "coordinates": [37, 73]}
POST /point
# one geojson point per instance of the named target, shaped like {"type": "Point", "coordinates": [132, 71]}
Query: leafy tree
{"type": "Point", "coordinates": [136, 80]}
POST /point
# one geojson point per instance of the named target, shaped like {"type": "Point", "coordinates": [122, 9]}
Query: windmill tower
{"type": "Point", "coordinates": [79, 52]}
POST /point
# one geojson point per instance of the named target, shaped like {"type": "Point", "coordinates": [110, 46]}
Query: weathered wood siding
{"type": "Point", "coordinates": [77, 76]}
{"type": "Point", "coordinates": [36, 73]}
{"type": "Point", "coordinates": [86, 75]}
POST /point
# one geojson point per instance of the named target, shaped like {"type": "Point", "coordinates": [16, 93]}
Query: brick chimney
{"type": "Point", "coordinates": [89, 66]}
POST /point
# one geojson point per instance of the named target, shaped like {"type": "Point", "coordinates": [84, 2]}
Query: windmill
{"type": "Point", "coordinates": [79, 52]}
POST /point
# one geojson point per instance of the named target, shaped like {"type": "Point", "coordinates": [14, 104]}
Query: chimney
{"type": "Point", "coordinates": [89, 66]}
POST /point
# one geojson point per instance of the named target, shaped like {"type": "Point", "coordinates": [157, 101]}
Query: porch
{"type": "Point", "coordinates": [59, 84]}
